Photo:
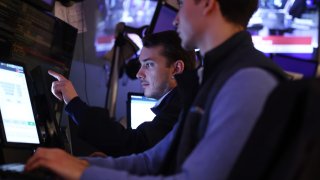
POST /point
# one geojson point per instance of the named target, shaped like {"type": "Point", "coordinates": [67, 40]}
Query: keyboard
{"type": "Point", "coordinates": [15, 171]}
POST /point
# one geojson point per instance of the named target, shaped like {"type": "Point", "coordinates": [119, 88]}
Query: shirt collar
{"type": "Point", "coordinates": [160, 100]}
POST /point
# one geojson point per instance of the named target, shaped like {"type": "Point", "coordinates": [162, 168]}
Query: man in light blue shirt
{"type": "Point", "coordinates": [213, 128]}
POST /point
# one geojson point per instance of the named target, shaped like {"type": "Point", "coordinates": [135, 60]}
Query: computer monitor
{"type": "Point", "coordinates": [17, 120]}
{"type": "Point", "coordinates": [163, 18]}
{"type": "Point", "coordinates": [288, 32]}
{"type": "Point", "coordinates": [138, 109]}
{"type": "Point", "coordinates": [35, 36]}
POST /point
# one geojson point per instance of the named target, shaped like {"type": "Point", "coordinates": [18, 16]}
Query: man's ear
{"type": "Point", "coordinates": [178, 67]}
{"type": "Point", "coordinates": [209, 5]}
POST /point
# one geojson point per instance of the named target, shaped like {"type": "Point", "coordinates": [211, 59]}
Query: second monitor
{"type": "Point", "coordinates": [19, 135]}
{"type": "Point", "coordinates": [138, 109]}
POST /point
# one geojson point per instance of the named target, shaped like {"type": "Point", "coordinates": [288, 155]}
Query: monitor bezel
{"type": "Point", "coordinates": [40, 4]}
{"type": "Point", "coordinates": [4, 142]}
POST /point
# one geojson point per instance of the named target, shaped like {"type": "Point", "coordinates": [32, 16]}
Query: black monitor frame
{"type": "Point", "coordinates": [41, 4]}
{"type": "Point", "coordinates": [47, 106]}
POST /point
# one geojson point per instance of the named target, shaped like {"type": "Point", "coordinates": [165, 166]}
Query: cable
{"type": "Point", "coordinates": [84, 54]}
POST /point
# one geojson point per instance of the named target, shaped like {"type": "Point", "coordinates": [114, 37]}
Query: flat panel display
{"type": "Point", "coordinates": [139, 109]}
{"type": "Point", "coordinates": [16, 113]}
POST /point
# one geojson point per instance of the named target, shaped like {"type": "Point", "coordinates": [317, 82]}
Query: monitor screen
{"type": "Point", "coordinates": [16, 113]}
{"type": "Point", "coordinates": [286, 27]}
{"type": "Point", "coordinates": [163, 18]}
{"type": "Point", "coordinates": [139, 109]}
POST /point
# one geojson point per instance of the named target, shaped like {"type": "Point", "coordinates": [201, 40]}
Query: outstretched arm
{"type": "Point", "coordinates": [62, 88]}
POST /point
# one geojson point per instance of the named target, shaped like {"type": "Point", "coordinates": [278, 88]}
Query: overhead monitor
{"type": "Point", "coordinates": [163, 18]}
{"type": "Point", "coordinates": [289, 27]}
{"type": "Point", "coordinates": [17, 120]}
{"type": "Point", "coordinates": [138, 110]}
{"type": "Point", "coordinates": [36, 36]}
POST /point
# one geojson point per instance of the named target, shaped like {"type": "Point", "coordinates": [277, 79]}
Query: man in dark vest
{"type": "Point", "coordinates": [234, 84]}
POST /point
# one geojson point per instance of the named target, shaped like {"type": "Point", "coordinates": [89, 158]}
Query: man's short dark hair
{"type": "Point", "coordinates": [237, 11]}
{"type": "Point", "coordinates": [172, 49]}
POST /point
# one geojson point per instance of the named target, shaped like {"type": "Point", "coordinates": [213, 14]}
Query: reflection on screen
{"type": "Point", "coordinates": [15, 106]}
{"type": "Point", "coordinates": [140, 110]}
{"type": "Point", "coordinates": [285, 26]}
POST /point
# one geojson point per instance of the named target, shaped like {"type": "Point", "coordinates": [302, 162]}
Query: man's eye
{"type": "Point", "coordinates": [149, 64]}
{"type": "Point", "coordinates": [180, 3]}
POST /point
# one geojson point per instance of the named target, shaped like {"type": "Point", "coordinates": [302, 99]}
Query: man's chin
{"type": "Point", "coordinates": [188, 46]}
{"type": "Point", "coordinates": [148, 94]}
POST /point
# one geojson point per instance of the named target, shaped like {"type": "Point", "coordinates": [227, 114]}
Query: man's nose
{"type": "Point", "coordinates": [139, 74]}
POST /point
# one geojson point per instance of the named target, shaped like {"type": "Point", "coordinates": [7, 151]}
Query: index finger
{"type": "Point", "coordinates": [56, 75]}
